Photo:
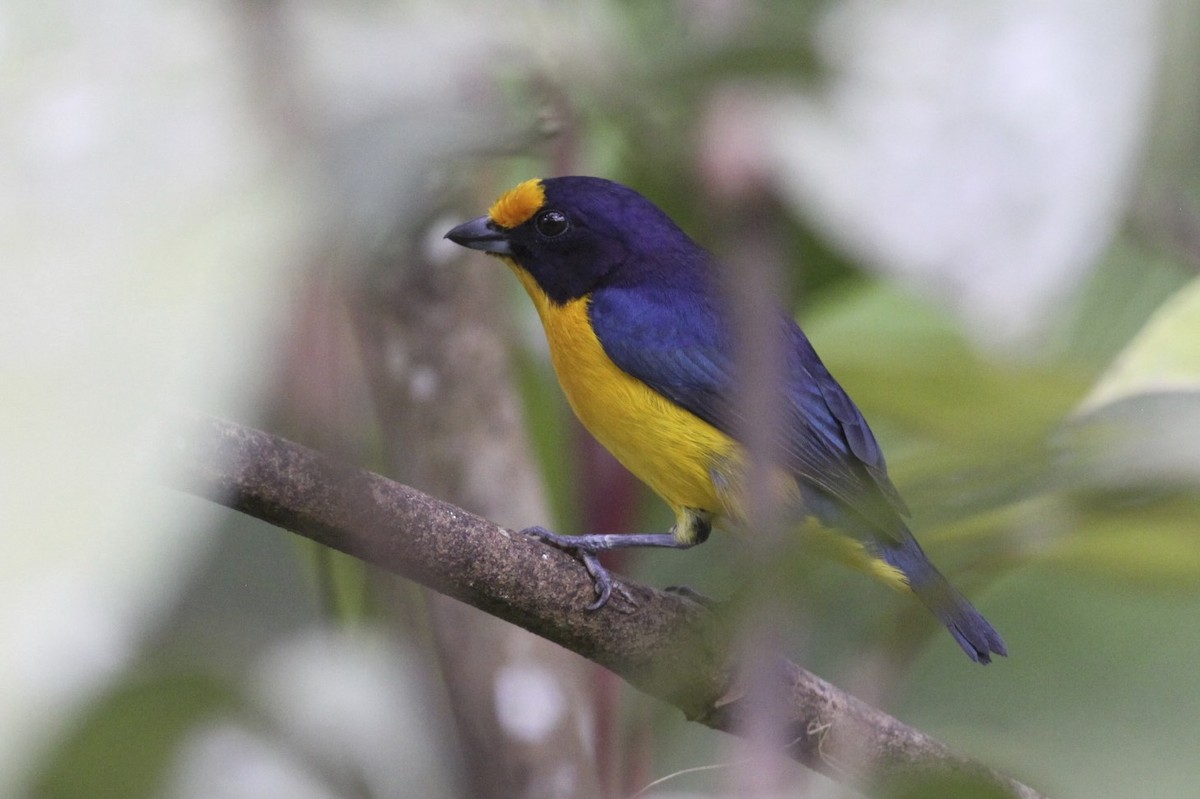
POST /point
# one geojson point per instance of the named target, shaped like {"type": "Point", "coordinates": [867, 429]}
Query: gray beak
{"type": "Point", "coordinates": [481, 234]}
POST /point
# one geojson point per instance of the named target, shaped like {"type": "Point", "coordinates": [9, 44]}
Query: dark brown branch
{"type": "Point", "coordinates": [667, 647]}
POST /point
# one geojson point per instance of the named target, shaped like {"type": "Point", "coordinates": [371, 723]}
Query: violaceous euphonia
{"type": "Point", "coordinates": [643, 346]}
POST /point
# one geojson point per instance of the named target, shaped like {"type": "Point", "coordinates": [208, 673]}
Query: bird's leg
{"type": "Point", "coordinates": [585, 548]}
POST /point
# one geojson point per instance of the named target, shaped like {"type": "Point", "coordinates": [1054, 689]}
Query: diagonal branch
{"type": "Point", "coordinates": [669, 647]}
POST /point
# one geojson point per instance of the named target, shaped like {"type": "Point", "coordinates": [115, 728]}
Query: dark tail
{"type": "Point", "coordinates": [972, 631]}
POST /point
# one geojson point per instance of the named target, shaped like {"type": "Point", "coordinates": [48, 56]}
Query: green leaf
{"type": "Point", "coordinates": [1163, 356]}
{"type": "Point", "coordinates": [1148, 440]}
{"type": "Point", "coordinates": [964, 431]}
{"type": "Point", "coordinates": [126, 742]}
{"type": "Point", "coordinates": [1142, 545]}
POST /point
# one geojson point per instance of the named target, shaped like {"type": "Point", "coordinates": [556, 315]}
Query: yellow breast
{"type": "Point", "coordinates": [668, 448]}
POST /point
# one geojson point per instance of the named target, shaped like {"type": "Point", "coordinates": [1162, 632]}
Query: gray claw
{"type": "Point", "coordinates": [601, 578]}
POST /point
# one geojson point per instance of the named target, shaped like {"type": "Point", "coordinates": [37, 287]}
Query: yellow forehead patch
{"type": "Point", "coordinates": [518, 204]}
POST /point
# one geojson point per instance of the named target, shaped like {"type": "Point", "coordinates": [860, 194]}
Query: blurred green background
{"type": "Point", "coordinates": [987, 218]}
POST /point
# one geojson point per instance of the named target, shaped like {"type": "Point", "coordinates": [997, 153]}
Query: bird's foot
{"type": "Point", "coordinates": [585, 547]}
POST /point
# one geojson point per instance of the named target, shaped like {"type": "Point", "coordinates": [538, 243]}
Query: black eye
{"type": "Point", "coordinates": [551, 223]}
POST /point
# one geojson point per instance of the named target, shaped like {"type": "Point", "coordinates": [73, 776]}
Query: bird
{"type": "Point", "coordinates": [643, 345]}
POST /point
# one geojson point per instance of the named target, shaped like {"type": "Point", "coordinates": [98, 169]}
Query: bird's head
{"type": "Point", "coordinates": [573, 235]}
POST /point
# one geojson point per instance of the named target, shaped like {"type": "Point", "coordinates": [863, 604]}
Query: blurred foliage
{"type": "Point", "coordinates": [924, 786]}
{"type": "Point", "coordinates": [550, 436]}
{"type": "Point", "coordinates": [338, 580]}
{"type": "Point", "coordinates": [1164, 356]}
{"type": "Point", "coordinates": [1126, 286]}
{"type": "Point", "coordinates": [123, 747]}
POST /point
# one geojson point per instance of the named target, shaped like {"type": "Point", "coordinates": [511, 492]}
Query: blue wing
{"type": "Point", "coordinates": [678, 343]}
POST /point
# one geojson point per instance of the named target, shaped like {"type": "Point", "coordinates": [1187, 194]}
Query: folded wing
{"type": "Point", "coordinates": [657, 338]}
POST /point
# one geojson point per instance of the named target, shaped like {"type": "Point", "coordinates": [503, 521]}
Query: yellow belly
{"type": "Point", "coordinates": [665, 446]}
{"type": "Point", "coordinates": [668, 448]}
